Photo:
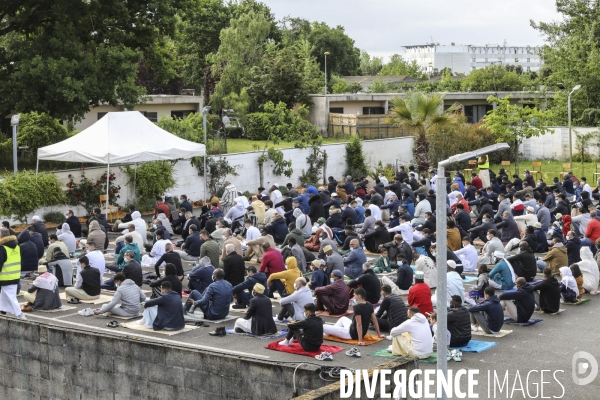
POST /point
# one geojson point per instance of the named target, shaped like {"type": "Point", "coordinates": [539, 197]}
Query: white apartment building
{"type": "Point", "coordinates": [466, 58]}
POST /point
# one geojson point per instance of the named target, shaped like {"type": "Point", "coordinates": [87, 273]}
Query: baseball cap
{"type": "Point", "coordinates": [451, 264]}
{"type": "Point", "coordinates": [420, 275]}
{"type": "Point", "coordinates": [337, 273]}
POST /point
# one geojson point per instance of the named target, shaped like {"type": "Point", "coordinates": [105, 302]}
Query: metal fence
{"type": "Point", "coordinates": [366, 126]}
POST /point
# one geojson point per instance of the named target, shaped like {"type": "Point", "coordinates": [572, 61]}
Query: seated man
{"type": "Point", "coordinates": [233, 266]}
{"type": "Point", "coordinates": [214, 302]}
{"type": "Point", "coordinates": [555, 258]}
{"type": "Point", "coordinates": [62, 267]}
{"type": "Point", "coordinates": [292, 306]}
{"type": "Point", "coordinates": [459, 323]}
{"type": "Point", "coordinates": [298, 253]}
{"type": "Point", "coordinates": [489, 315]}
{"type": "Point", "coordinates": [524, 263]}
{"type": "Point", "coordinates": [357, 327]}
{"type": "Point", "coordinates": [259, 317]}
{"type": "Point", "coordinates": [283, 282]}
{"type": "Point", "coordinates": [190, 249]}
{"type": "Point", "coordinates": [333, 260]}
{"type": "Point", "coordinates": [164, 312]}
{"type": "Point", "coordinates": [334, 297]}
{"type": "Point", "coordinates": [158, 249]}
{"type": "Point", "coordinates": [118, 266]}
{"type": "Point", "coordinates": [255, 246]}
{"type": "Point", "coordinates": [307, 331]}
{"type": "Point", "coordinates": [468, 255]}
{"type": "Point", "coordinates": [392, 311]}
{"type": "Point", "coordinates": [412, 338]}
{"type": "Point", "coordinates": [419, 295]}
{"type": "Point", "coordinates": [319, 278]}
{"type": "Point", "coordinates": [201, 276]}
{"type": "Point", "coordinates": [492, 245]}
{"type": "Point", "coordinates": [43, 294]}
{"type": "Point", "coordinates": [520, 304]}
{"type": "Point", "coordinates": [132, 269]}
{"type": "Point", "coordinates": [129, 294]}
{"type": "Point", "coordinates": [137, 238]}
{"type": "Point", "coordinates": [272, 260]}
{"type": "Point", "coordinates": [369, 281]}
{"type": "Point", "coordinates": [170, 257]}
{"type": "Point", "coordinates": [548, 298]}
{"type": "Point", "coordinates": [502, 273]}
{"type": "Point", "coordinates": [404, 276]}
{"type": "Point", "coordinates": [87, 285]}
{"type": "Point", "coordinates": [354, 260]}
{"type": "Point", "coordinates": [242, 292]}
{"type": "Point", "coordinates": [455, 285]}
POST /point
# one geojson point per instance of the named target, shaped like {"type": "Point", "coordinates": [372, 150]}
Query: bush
{"type": "Point", "coordinates": [355, 158]}
{"type": "Point", "coordinates": [257, 126]}
{"type": "Point", "coordinates": [151, 178]}
{"type": "Point", "coordinates": [87, 193]}
{"type": "Point", "coordinates": [388, 171]}
{"type": "Point", "coordinates": [142, 204]}
{"type": "Point", "coordinates": [55, 217]}
{"type": "Point", "coordinates": [23, 193]}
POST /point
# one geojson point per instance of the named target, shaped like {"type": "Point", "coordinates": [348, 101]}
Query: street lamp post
{"type": "Point", "coordinates": [14, 121]}
{"type": "Point", "coordinates": [576, 87]}
{"type": "Point", "coordinates": [326, 54]}
{"type": "Point", "coordinates": [205, 111]}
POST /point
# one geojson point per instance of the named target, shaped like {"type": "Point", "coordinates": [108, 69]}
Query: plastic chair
{"type": "Point", "coordinates": [472, 165]}
{"type": "Point", "coordinates": [506, 166]}
{"type": "Point", "coordinates": [597, 173]}
{"type": "Point", "coordinates": [567, 167]}
{"type": "Point", "coordinates": [536, 169]}
{"type": "Point", "coordinates": [111, 209]}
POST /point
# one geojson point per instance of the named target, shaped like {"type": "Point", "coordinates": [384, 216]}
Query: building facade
{"type": "Point", "coordinates": [466, 58]}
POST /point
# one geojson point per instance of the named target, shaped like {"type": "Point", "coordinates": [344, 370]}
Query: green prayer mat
{"type": "Point", "coordinates": [576, 304]}
{"type": "Point", "coordinates": [432, 359]}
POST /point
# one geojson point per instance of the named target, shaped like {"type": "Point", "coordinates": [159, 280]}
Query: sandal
{"type": "Point", "coordinates": [73, 300]}
{"type": "Point", "coordinates": [113, 324]}
{"type": "Point", "coordinates": [201, 324]}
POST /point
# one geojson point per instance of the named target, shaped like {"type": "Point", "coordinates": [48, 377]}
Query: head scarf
{"type": "Point", "coordinates": [46, 281]}
{"type": "Point", "coordinates": [568, 280]}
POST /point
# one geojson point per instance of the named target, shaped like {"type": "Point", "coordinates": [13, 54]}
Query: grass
{"type": "Point", "coordinates": [551, 169]}
{"type": "Point", "coordinates": [244, 145]}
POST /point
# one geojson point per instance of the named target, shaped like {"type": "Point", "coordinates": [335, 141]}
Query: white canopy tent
{"type": "Point", "coordinates": [121, 137]}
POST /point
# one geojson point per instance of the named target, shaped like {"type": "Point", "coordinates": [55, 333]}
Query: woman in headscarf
{"type": "Point", "coordinates": [66, 236]}
{"type": "Point", "coordinates": [578, 278]}
{"type": "Point", "coordinates": [43, 293]}
{"type": "Point", "coordinates": [589, 270]}
{"type": "Point", "coordinates": [568, 285]}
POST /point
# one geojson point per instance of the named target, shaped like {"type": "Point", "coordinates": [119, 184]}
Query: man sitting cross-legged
{"type": "Point", "coordinates": [308, 331]}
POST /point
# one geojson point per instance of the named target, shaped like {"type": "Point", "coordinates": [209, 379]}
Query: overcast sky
{"type": "Point", "coordinates": [381, 27]}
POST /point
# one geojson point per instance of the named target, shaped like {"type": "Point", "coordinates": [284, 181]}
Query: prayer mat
{"type": "Point", "coordinates": [326, 314]}
{"type": "Point", "coordinates": [558, 312]}
{"type": "Point", "coordinates": [576, 304]}
{"type": "Point", "coordinates": [476, 346]}
{"type": "Point", "coordinates": [102, 299]}
{"type": "Point", "coordinates": [277, 335]}
{"type": "Point", "coordinates": [295, 348]}
{"type": "Point", "coordinates": [469, 279]}
{"type": "Point", "coordinates": [532, 321]}
{"type": "Point", "coordinates": [131, 317]}
{"type": "Point", "coordinates": [197, 318]}
{"type": "Point", "coordinates": [137, 327]}
{"type": "Point", "coordinates": [502, 333]}
{"type": "Point", "coordinates": [64, 307]}
{"type": "Point", "coordinates": [284, 322]}
{"type": "Point", "coordinates": [432, 359]}
{"type": "Point", "coordinates": [368, 339]}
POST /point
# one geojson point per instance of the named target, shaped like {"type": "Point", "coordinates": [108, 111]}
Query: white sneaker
{"type": "Point", "coordinates": [141, 321]}
{"type": "Point", "coordinates": [474, 328]}
{"type": "Point", "coordinates": [389, 337]}
{"type": "Point", "coordinates": [286, 342]}
{"type": "Point", "coordinates": [22, 316]}
{"type": "Point", "coordinates": [389, 349]}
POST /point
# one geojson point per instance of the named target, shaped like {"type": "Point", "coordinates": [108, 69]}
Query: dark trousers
{"type": "Point", "coordinates": [384, 325]}
{"type": "Point", "coordinates": [119, 246]}
{"type": "Point", "coordinates": [299, 336]}
{"type": "Point", "coordinates": [287, 310]}
{"type": "Point", "coordinates": [276, 285]}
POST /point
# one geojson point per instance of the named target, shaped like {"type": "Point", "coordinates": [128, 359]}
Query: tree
{"type": "Point", "coordinates": [339, 85]}
{"type": "Point", "coordinates": [420, 113]}
{"type": "Point", "coordinates": [61, 57]}
{"type": "Point", "coordinates": [398, 67]}
{"type": "Point", "coordinates": [189, 128]}
{"type": "Point", "coordinates": [512, 123]}
{"type": "Point", "coordinates": [370, 65]}
{"type": "Point", "coordinates": [378, 86]}
{"type": "Point", "coordinates": [571, 56]}
{"type": "Point", "coordinates": [357, 166]}
{"type": "Point", "coordinates": [343, 58]}
{"type": "Point", "coordinates": [38, 130]}
{"type": "Point", "coordinates": [492, 79]}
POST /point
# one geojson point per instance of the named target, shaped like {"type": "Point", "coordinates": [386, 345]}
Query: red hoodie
{"type": "Point", "coordinates": [420, 296]}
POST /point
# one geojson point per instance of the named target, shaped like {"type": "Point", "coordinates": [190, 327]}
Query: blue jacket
{"type": "Point", "coordinates": [354, 262]}
{"type": "Point", "coordinates": [410, 207]}
{"type": "Point", "coordinates": [193, 243]}
{"type": "Point", "coordinates": [311, 190]}
{"type": "Point", "coordinates": [502, 276]}
{"type": "Point", "coordinates": [459, 182]}
{"type": "Point", "coordinates": [201, 278]}
{"type": "Point", "coordinates": [303, 200]}
{"type": "Point", "coordinates": [216, 300]}
{"type": "Point", "coordinates": [319, 279]}
{"type": "Point", "coordinates": [349, 212]}
{"type": "Point", "coordinates": [360, 214]}
{"type": "Point", "coordinates": [349, 187]}
{"type": "Point", "coordinates": [187, 205]}
{"type": "Point", "coordinates": [494, 315]}
{"type": "Point", "coordinates": [259, 277]}
{"type": "Point", "coordinates": [392, 205]}
{"type": "Point", "coordinates": [278, 229]}
{"type": "Point", "coordinates": [170, 312]}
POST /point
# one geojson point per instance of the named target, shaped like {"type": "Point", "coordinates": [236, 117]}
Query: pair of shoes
{"type": "Point", "coordinates": [353, 352]}
{"type": "Point", "coordinates": [389, 337]}
{"type": "Point", "coordinates": [22, 316]}
{"type": "Point", "coordinates": [27, 308]}
{"type": "Point", "coordinates": [238, 306]}
{"type": "Point", "coordinates": [286, 342]}
{"type": "Point", "coordinates": [113, 324]}
{"type": "Point", "coordinates": [239, 330]}
{"type": "Point", "coordinates": [456, 355]}
{"type": "Point", "coordinates": [201, 324]}
{"type": "Point", "coordinates": [449, 355]}
{"type": "Point", "coordinates": [220, 331]}
{"type": "Point", "coordinates": [74, 300]}
{"type": "Point", "coordinates": [324, 356]}
{"type": "Point", "coordinates": [474, 328]}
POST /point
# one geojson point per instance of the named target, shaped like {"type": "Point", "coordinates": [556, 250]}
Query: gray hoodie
{"type": "Point", "coordinates": [130, 296]}
{"type": "Point", "coordinates": [66, 236]}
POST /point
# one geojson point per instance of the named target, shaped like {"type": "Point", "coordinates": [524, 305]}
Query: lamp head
{"type": "Point", "coordinates": [326, 53]}
{"type": "Point", "coordinates": [205, 110]}
{"type": "Point", "coordinates": [577, 87]}
{"type": "Point", "coordinates": [561, 86]}
{"type": "Point", "coordinates": [14, 120]}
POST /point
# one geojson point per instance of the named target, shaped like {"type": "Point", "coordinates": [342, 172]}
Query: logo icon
{"type": "Point", "coordinates": [584, 362]}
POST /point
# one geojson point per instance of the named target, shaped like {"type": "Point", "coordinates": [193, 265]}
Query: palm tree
{"type": "Point", "coordinates": [421, 112]}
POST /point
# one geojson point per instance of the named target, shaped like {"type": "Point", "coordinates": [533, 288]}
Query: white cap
{"type": "Point", "coordinates": [35, 218]}
{"type": "Point", "coordinates": [530, 209]}
{"type": "Point", "coordinates": [334, 195]}
{"type": "Point", "coordinates": [168, 195]}
{"type": "Point", "coordinates": [451, 264]}
{"type": "Point", "coordinates": [498, 254]}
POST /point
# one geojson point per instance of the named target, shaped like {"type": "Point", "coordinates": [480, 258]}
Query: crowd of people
{"type": "Point", "coordinates": [369, 248]}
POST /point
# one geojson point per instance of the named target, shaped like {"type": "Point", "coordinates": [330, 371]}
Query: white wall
{"type": "Point", "coordinates": [192, 185]}
{"type": "Point", "coordinates": [555, 146]}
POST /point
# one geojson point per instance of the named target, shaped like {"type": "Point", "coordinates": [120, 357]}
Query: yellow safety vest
{"type": "Point", "coordinates": [11, 270]}
{"type": "Point", "coordinates": [486, 165]}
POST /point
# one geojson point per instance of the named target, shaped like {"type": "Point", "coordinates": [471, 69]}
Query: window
{"type": "Point", "coordinates": [473, 68]}
{"type": "Point", "coordinates": [473, 59]}
{"type": "Point", "coordinates": [528, 69]}
{"type": "Point", "coordinates": [152, 116]}
{"type": "Point", "coordinates": [486, 60]}
{"type": "Point", "coordinates": [336, 110]}
{"type": "Point", "coordinates": [476, 113]}
{"type": "Point", "coordinates": [101, 114]}
{"type": "Point", "coordinates": [373, 110]}
{"type": "Point", "coordinates": [181, 114]}
{"type": "Point", "coordinates": [528, 60]}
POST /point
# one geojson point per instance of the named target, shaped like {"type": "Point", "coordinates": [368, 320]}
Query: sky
{"type": "Point", "coordinates": [382, 27]}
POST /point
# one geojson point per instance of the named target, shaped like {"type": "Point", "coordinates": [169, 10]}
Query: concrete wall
{"type": "Point", "coordinates": [555, 145]}
{"type": "Point", "coordinates": [45, 362]}
{"type": "Point", "coordinates": [189, 183]}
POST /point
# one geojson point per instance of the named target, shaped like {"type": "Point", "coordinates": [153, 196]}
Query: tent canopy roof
{"type": "Point", "coordinates": [121, 137]}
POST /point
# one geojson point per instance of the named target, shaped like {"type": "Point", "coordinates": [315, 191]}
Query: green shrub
{"type": "Point", "coordinates": [388, 171]}
{"type": "Point", "coordinates": [257, 126]}
{"type": "Point", "coordinates": [86, 192]}
{"type": "Point", "coordinates": [55, 217]}
{"type": "Point", "coordinates": [23, 193]}
{"type": "Point", "coordinates": [151, 178]}
{"type": "Point", "coordinates": [143, 204]}
{"type": "Point", "coordinates": [355, 158]}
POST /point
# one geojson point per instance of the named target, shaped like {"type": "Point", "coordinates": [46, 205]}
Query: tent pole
{"type": "Point", "coordinates": [134, 178]}
{"type": "Point", "coordinates": [37, 167]}
{"type": "Point", "coordinates": [107, 186]}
